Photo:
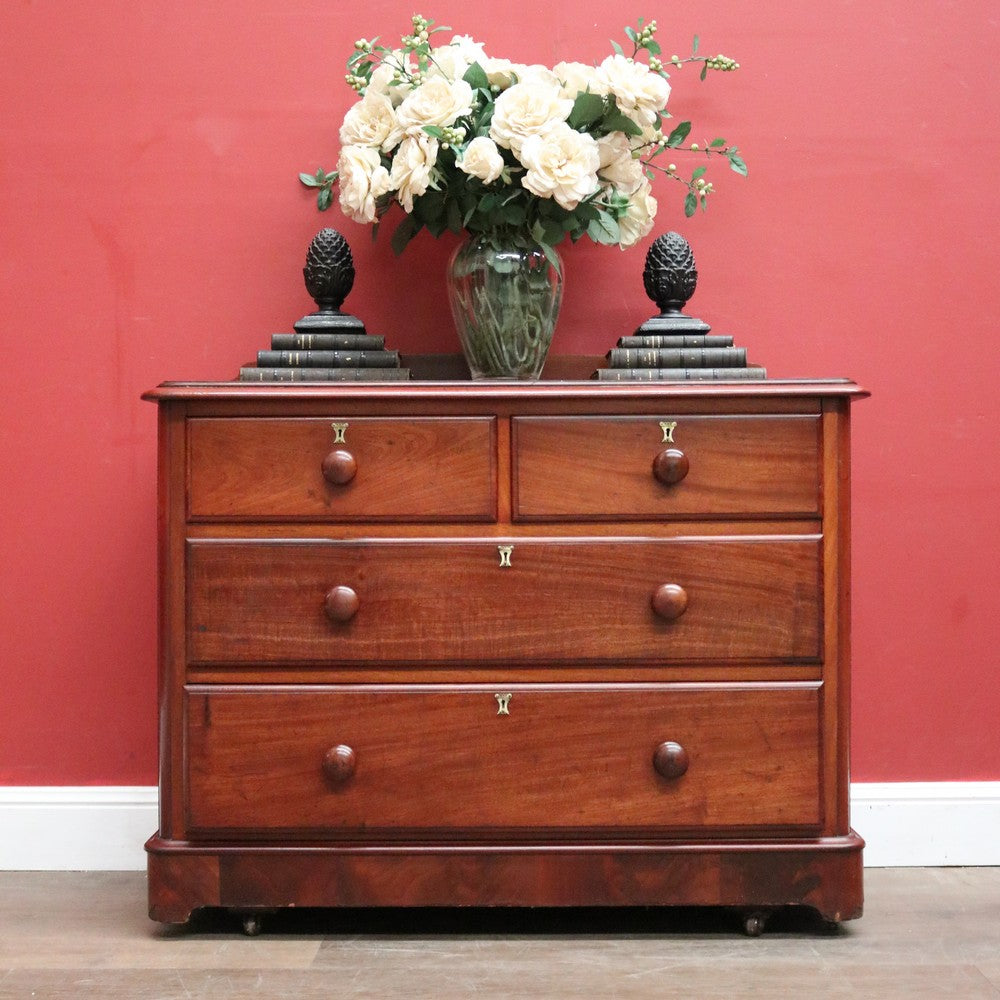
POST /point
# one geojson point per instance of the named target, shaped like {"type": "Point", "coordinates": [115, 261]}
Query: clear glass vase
{"type": "Point", "coordinates": [504, 295]}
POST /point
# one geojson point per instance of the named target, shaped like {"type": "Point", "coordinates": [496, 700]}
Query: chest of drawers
{"type": "Point", "coordinates": [452, 643]}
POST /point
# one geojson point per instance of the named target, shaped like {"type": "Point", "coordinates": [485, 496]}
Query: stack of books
{"type": "Point", "coordinates": [326, 357]}
{"type": "Point", "coordinates": [652, 357]}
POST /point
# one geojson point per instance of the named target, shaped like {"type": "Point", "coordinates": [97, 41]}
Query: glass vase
{"type": "Point", "coordinates": [504, 295]}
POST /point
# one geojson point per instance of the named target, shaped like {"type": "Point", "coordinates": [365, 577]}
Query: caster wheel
{"type": "Point", "coordinates": [754, 923]}
{"type": "Point", "coordinates": [253, 923]}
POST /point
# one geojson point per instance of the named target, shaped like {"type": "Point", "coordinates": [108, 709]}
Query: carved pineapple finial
{"type": "Point", "coordinates": [670, 276]}
{"type": "Point", "coordinates": [329, 270]}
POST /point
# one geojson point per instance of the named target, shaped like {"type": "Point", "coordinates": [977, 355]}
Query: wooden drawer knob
{"type": "Point", "coordinates": [341, 604]}
{"type": "Point", "coordinates": [339, 467]}
{"type": "Point", "coordinates": [670, 760]}
{"type": "Point", "coordinates": [670, 601]}
{"type": "Point", "coordinates": [670, 466]}
{"type": "Point", "coordinates": [339, 764]}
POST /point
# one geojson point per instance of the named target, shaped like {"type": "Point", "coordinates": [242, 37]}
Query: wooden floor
{"type": "Point", "coordinates": [931, 932]}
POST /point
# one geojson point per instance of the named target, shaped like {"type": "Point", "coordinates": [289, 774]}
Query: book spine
{"type": "Point", "coordinates": [677, 357]}
{"type": "Point", "coordinates": [326, 342]}
{"type": "Point", "coordinates": [654, 340]}
{"type": "Point", "coordinates": [679, 374]}
{"type": "Point", "coordinates": [328, 359]}
{"type": "Point", "coordinates": [252, 374]}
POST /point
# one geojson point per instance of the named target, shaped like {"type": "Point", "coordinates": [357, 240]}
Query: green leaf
{"type": "Point", "coordinates": [694, 45]}
{"type": "Point", "coordinates": [604, 229]}
{"type": "Point", "coordinates": [476, 78]}
{"type": "Point", "coordinates": [653, 48]}
{"type": "Point", "coordinates": [616, 121]}
{"type": "Point", "coordinates": [435, 131]}
{"type": "Point", "coordinates": [309, 180]}
{"type": "Point", "coordinates": [698, 172]}
{"type": "Point", "coordinates": [618, 49]}
{"type": "Point", "coordinates": [632, 36]}
{"type": "Point", "coordinates": [680, 132]}
{"type": "Point", "coordinates": [715, 143]}
{"type": "Point", "coordinates": [704, 71]}
{"type": "Point", "coordinates": [454, 216]}
{"type": "Point", "coordinates": [737, 164]}
{"type": "Point", "coordinates": [551, 256]}
{"type": "Point", "coordinates": [405, 231]}
{"type": "Point", "coordinates": [587, 109]}
{"type": "Point", "coordinates": [324, 199]}
{"type": "Point", "coordinates": [690, 204]}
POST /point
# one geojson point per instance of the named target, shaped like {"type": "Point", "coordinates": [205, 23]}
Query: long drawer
{"type": "Point", "coordinates": [489, 600]}
{"type": "Point", "coordinates": [359, 761]}
{"type": "Point", "coordinates": [620, 468]}
{"type": "Point", "coordinates": [363, 468]}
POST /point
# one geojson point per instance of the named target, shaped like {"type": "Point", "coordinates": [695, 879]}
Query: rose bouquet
{"type": "Point", "coordinates": [466, 141]}
{"type": "Point", "coordinates": [519, 158]}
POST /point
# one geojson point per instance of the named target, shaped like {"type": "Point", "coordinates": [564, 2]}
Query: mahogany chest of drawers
{"type": "Point", "coordinates": [455, 643]}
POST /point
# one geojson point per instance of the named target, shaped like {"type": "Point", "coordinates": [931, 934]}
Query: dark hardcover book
{"type": "Point", "coordinates": [677, 357]}
{"type": "Point", "coordinates": [679, 374]}
{"type": "Point", "coordinates": [328, 359]}
{"type": "Point", "coordinates": [326, 342]}
{"type": "Point", "coordinates": [253, 374]}
{"type": "Point", "coordinates": [677, 340]}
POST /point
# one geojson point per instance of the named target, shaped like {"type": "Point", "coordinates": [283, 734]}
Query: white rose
{"type": "Point", "coordinates": [500, 72]}
{"type": "Point", "coordinates": [562, 164]}
{"type": "Point", "coordinates": [481, 159]}
{"type": "Point", "coordinates": [451, 61]}
{"type": "Point", "coordinates": [575, 78]}
{"type": "Point", "coordinates": [537, 73]}
{"type": "Point", "coordinates": [435, 102]}
{"type": "Point", "coordinates": [371, 122]}
{"type": "Point", "coordinates": [639, 92]}
{"type": "Point", "coordinates": [362, 181]}
{"type": "Point", "coordinates": [618, 167]}
{"type": "Point", "coordinates": [638, 219]}
{"type": "Point", "coordinates": [411, 168]}
{"type": "Point", "coordinates": [527, 109]}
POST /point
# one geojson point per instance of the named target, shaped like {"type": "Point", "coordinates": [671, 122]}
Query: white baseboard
{"type": "Point", "coordinates": [76, 829]}
{"type": "Point", "coordinates": [928, 824]}
{"type": "Point", "coordinates": [103, 828]}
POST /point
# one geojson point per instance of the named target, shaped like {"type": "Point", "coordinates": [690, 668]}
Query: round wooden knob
{"type": "Point", "coordinates": [339, 764]}
{"type": "Point", "coordinates": [339, 467]}
{"type": "Point", "coordinates": [670, 760]}
{"type": "Point", "coordinates": [670, 466]}
{"type": "Point", "coordinates": [670, 601]}
{"type": "Point", "coordinates": [341, 604]}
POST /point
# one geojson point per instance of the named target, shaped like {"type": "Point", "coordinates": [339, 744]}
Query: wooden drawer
{"type": "Point", "coordinates": [442, 760]}
{"type": "Point", "coordinates": [448, 600]}
{"type": "Point", "coordinates": [416, 469]}
{"type": "Point", "coordinates": [605, 468]}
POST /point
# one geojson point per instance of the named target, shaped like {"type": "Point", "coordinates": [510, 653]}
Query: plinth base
{"type": "Point", "coordinates": [824, 874]}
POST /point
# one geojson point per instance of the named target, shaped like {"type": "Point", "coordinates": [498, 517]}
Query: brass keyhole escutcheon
{"type": "Point", "coordinates": [503, 703]}
{"type": "Point", "coordinates": [339, 430]}
{"type": "Point", "coordinates": [505, 553]}
{"type": "Point", "coordinates": [668, 427]}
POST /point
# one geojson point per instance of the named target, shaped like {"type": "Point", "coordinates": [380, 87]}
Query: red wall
{"type": "Point", "coordinates": [152, 227]}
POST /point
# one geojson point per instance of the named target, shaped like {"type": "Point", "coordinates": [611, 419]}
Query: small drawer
{"type": "Point", "coordinates": [638, 468]}
{"type": "Point", "coordinates": [487, 600]}
{"type": "Point", "coordinates": [352, 469]}
{"type": "Point", "coordinates": [448, 761]}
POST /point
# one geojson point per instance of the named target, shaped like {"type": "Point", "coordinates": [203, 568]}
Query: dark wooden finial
{"type": "Point", "coordinates": [329, 270]}
{"type": "Point", "coordinates": [670, 278]}
{"type": "Point", "coordinates": [670, 275]}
